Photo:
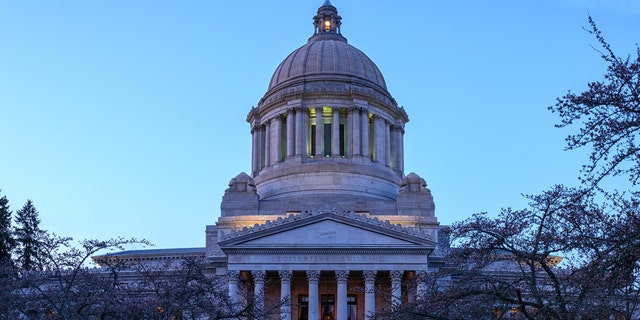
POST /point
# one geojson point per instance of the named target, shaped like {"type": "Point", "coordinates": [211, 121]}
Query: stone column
{"type": "Point", "coordinates": [354, 131]}
{"type": "Point", "coordinates": [290, 133]}
{"type": "Point", "coordinates": [365, 133]}
{"type": "Point", "coordinates": [335, 138]}
{"type": "Point", "coordinates": [397, 147]}
{"type": "Point", "coordinates": [232, 280]}
{"type": "Point", "coordinates": [299, 132]}
{"type": "Point", "coordinates": [369, 294]}
{"type": "Point", "coordinates": [421, 287]}
{"type": "Point", "coordinates": [401, 149]}
{"type": "Point", "coordinates": [379, 137]}
{"type": "Point", "coordinates": [285, 294]}
{"type": "Point", "coordinates": [255, 162]}
{"type": "Point", "coordinates": [267, 143]}
{"type": "Point", "coordinates": [342, 277]}
{"type": "Point", "coordinates": [393, 147]}
{"type": "Point", "coordinates": [396, 286]}
{"type": "Point", "coordinates": [387, 143]}
{"type": "Point", "coordinates": [305, 131]}
{"type": "Point", "coordinates": [319, 132]}
{"type": "Point", "coordinates": [313, 277]}
{"type": "Point", "coordinates": [258, 293]}
{"type": "Point", "coordinates": [276, 145]}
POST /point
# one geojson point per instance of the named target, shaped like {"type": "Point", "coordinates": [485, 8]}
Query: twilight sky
{"type": "Point", "coordinates": [127, 118]}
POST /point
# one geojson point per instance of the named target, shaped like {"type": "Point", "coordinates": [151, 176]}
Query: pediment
{"type": "Point", "coordinates": [328, 231]}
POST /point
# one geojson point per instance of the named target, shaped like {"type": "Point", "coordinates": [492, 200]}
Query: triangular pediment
{"type": "Point", "coordinates": [328, 231]}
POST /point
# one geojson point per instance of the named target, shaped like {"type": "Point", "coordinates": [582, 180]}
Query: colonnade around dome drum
{"type": "Point", "coordinates": [346, 132]}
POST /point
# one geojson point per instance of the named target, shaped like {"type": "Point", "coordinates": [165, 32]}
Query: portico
{"type": "Point", "coordinates": [327, 262]}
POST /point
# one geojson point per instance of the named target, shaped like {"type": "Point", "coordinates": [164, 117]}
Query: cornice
{"type": "Point", "coordinates": [314, 215]}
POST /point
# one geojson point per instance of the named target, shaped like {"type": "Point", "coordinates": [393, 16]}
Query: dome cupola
{"type": "Point", "coordinates": [327, 23]}
{"type": "Point", "coordinates": [327, 128]}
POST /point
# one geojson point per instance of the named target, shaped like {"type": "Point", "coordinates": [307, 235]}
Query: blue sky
{"type": "Point", "coordinates": [127, 118]}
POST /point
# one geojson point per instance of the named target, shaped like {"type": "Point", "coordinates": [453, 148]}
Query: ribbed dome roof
{"type": "Point", "coordinates": [323, 59]}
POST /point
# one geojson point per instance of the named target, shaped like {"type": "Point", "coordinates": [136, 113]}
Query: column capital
{"type": "Point", "coordinates": [369, 275]}
{"type": "Point", "coordinates": [342, 276]}
{"type": "Point", "coordinates": [421, 275]}
{"type": "Point", "coordinates": [232, 276]}
{"type": "Point", "coordinates": [258, 276]}
{"type": "Point", "coordinates": [396, 275]}
{"type": "Point", "coordinates": [313, 276]}
{"type": "Point", "coordinates": [285, 275]}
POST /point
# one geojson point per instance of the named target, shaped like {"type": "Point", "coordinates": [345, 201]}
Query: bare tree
{"type": "Point", "coordinates": [66, 287]}
{"type": "Point", "coordinates": [608, 117]}
{"type": "Point", "coordinates": [564, 257]}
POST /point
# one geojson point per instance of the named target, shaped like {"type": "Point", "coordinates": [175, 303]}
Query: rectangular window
{"type": "Point", "coordinates": [327, 140]}
{"type": "Point", "coordinates": [303, 307]}
{"type": "Point", "coordinates": [313, 140]}
{"type": "Point", "coordinates": [328, 307]}
{"type": "Point", "coordinates": [342, 140]}
{"type": "Point", "coordinates": [352, 307]}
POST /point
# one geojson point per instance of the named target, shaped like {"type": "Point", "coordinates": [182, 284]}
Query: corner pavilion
{"type": "Point", "coordinates": [326, 220]}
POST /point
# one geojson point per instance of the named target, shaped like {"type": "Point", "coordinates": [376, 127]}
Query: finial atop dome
{"type": "Point", "coordinates": [327, 23]}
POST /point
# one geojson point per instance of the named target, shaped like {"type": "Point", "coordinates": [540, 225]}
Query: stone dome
{"type": "Point", "coordinates": [327, 128]}
{"type": "Point", "coordinates": [327, 59]}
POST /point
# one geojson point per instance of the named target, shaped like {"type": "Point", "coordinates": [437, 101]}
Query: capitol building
{"type": "Point", "coordinates": [326, 219]}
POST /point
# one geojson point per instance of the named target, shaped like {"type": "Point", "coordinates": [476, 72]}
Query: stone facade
{"type": "Point", "coordinates": [326, 224]}
{"type": "Point", "coordinates": [326, 221]}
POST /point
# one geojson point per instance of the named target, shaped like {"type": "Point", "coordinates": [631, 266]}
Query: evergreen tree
{"type": "Point", "coordinates": [6, 239]}
{"type": "Point", "coordinates": [28, 236]}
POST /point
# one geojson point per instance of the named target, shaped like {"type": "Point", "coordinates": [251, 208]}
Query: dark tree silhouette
{"type": "Point", "coordinates": [608, 116]}
{"type": "Point", "coordinates": [67, 287]}
{"type": "Point", "coordinates": [564, 257]}
{"type": "Point", "coordinates": [28, 236]}
{"type": "Point", "coordinates": [7, 242]}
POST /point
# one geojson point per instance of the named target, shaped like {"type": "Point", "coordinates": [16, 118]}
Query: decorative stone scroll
{"type": "Point", "coordinates": [342, 276]}
{"type": "Point", "coordinates": [241, 183]}
{"type": "Point", "coordinates": [285, 275]}
{"type": "Point", "coordinates": [232, 276]}
{"type": "Point", "coordinates": [313, 276]}
{"type": "Point", "coordinates": [258, 276]}
{"type": "Point", "coordinates": [370, 275]}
